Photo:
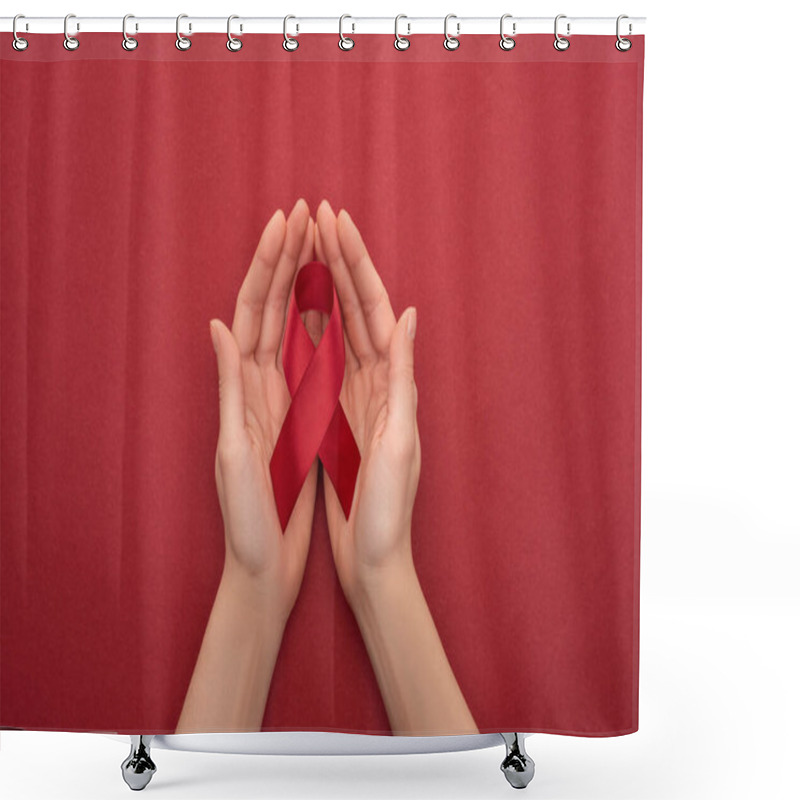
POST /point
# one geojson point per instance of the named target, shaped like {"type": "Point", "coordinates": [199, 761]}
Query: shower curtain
{"type": "Point", "coordinates": [498, 192]}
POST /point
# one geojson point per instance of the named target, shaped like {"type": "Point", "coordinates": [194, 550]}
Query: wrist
{"type": "Point", "coordinates": [379, 588]}
{"type": "Point", "coordinates": [256, 596]}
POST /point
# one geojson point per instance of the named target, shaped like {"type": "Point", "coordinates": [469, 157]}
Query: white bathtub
{"type": "Point", "coordinates": [138, 768]}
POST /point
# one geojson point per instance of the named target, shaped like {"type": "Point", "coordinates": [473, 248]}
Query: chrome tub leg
{"type": "Point", "coordinates": [517, 766]}
{"type": "Point", "coordinates": [138, 768]}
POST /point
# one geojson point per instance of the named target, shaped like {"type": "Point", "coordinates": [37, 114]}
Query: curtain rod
{"type": "Point", "coordinates": [406, 26]}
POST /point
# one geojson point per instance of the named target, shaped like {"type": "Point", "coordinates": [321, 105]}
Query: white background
{"type": "Point", "coordinates": [720, 443]}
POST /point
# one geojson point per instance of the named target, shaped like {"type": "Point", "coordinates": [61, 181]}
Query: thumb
{"type": "Point", "coordinates": [402, 398]}
{"type": "Point", "coordinates": [231, 391]}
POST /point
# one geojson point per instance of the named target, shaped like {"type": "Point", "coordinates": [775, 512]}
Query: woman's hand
{"type": "Point", "coordinates": [372, 549]}
{"type": "Point", "coordinates": [379, 399]}
{"type": "Point", "coordinates": [263, 566]}
{"type": "Point", "coordinates": [254, 399]}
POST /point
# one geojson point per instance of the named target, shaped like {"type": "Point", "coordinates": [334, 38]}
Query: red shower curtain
{"type": "Point", "coordinates": [497, 191]}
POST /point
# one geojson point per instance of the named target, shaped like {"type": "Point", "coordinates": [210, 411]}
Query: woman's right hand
{"type": "Point", "coordinates": [372, 547]}
{"type": "Point", "coordinates": [379, 399]}
{"type": "Point", "coordinates": [254, 399]}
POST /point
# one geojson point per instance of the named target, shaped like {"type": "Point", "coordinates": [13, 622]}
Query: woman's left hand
{"type": "Point", "coordinates": [254, 399]}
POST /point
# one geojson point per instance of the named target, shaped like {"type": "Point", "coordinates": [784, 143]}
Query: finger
{"type": "Point", "coordinates": [354, 322]}
{"type": "Point", "coordinates": [302, 259]}
{"type": "Point", "coordinates": [377, 308]}
{"type": "Point", "coordinates": [231, 387]}
{"type": "Point", "coordinates": [255, 286]}
{"type": "Point", "coordinates": [307, 250]}
{"type": "Point", "coordinates": [402, 398]}
{"type": "Point", "coordinates": [274, 311]}
{"type": "Point", "coordinates": [350, 358]}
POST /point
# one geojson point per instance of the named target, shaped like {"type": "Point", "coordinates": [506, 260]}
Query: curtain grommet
{"type": "Point", "coordinates": [233, 44]}
{"type": "Point", "coordinates": [401, 42]}
{"type": "Point", "coordinates": [70, 42]}
{"type": "Point", "coordinates": [128, 42]}
{"type": "Point", "coordinates": [560, 43]}
{"type": "Point", "coordinates": [345, 42]}
{"type": "Point", "coordinates": [451, 42]}
{"type": "Point", "coordinates": [17, 42]}
{"type": "Point", "coordinates": [507, 42]}
{"type": "Point", "coordinates": [182, 42]}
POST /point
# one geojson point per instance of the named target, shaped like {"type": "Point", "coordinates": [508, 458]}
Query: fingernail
{"type": "Point", "coordinates": [274, 216]}
{"type": "Point", "coordinates": [214, 336]}
{"type": "Point", "coordinates": [411, 328]}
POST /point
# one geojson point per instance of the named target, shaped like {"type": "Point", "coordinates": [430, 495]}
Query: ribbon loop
{"type": "Point", "coordinates": [315, 423]}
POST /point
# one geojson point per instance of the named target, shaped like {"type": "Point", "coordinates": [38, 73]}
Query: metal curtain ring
{"type": "Point", "coordinates": [182, 43]}
{"type": "Point", "coordinates": [345, 42]}
{"type": "Point", "coordinates": [506, 42]}
{"type": "Point", "coordinates": [290, 43]}
{"type": "Point", "coordinates": [70, 42]}
{"type": "Point", "coordinates": [560, 42]}
{"type": "Point", "coordinates": [621, 44]}
{"type": "Point", "coordinates": [18, 43]}
{"type": "Point", "coordinates": [233, 44]}
{"type": "Point", "coordinates": [400, 42]}
{"type": "Point", "coordinates": [128, 42]}
{"type": "Point", "coordinates": [451, 42]}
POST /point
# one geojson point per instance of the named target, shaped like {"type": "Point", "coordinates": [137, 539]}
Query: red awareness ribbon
{"type": "Point", "coordinates": [315, 422]}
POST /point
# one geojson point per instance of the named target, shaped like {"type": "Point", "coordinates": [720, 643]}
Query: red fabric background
{"type": "Point", "coordinates": [499, 192]}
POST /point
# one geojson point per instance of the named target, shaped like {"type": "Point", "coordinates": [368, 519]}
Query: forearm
{"type": "Point", "coordinates": [420, 692]}
{"type": "Point", "coordinates": [230, 683]}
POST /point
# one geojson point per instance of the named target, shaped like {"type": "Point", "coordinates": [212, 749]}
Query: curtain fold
{"type": "Point", "coordinates": [498, 192]}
